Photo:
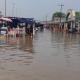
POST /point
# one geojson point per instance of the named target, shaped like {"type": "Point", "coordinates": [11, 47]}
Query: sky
{"type": "Point", "coordinates": [37, 9]}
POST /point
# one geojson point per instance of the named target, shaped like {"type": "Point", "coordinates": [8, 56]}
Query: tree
{"type": "Point", "coordinates": [77, 15]}
{"type": "Point", "coordinates": [59, 15]}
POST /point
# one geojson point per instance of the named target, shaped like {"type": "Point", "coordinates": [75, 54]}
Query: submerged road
{"type": "Point", "coordinates": [47, 56]}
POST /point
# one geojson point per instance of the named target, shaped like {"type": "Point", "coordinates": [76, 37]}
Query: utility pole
{"type": "Point", "coordinates": [61, 8]}
{"type": "Point", "coordinates": [13, 9]}
{"type": "Point", "coordinates": [46, 20]}
{"type": "Point", "coordinates": [5, 8]}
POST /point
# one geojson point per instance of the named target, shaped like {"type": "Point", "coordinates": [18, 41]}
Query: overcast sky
{"type": "Point", "coordinates": [37, 9]}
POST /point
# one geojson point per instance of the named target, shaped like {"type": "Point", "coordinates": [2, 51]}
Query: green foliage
{"type": "Point", "coordinates": [58, 14]}
{"type": "Point", "coordinates": [77, 15]}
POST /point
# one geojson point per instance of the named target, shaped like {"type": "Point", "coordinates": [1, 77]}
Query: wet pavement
{"type": "Point", "coordinates": [47, 56]}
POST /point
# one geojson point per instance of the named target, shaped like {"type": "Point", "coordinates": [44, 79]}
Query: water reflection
{"type": "Point", "coordinates": [22, 43]}
{"type": "Point", "coordinates": [67, 39]}
{"type": "Point", "coordinates": [16, 50]}
{"type": "Point", "coordinates": [2, 40]}
{"type": "Point", "coordinates": [57, 57]}
{"type": "Point", "coordinates": [66, 44]}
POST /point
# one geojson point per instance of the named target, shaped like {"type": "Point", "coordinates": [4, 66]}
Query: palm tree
{"type": "Point", "coordinates": [58, 15]}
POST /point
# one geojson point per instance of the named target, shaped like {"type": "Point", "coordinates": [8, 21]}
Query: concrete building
{"type": "Point", "coordinates": [73, 20]}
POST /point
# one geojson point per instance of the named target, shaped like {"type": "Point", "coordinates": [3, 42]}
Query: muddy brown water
{"type": "Point", "coordinates": [47, 56]}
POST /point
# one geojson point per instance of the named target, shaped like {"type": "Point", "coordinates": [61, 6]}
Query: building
{"type": "Point", "coordinates": [73, 20]}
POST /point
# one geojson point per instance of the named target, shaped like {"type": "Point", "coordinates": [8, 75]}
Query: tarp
{"type": "Point", "coordinates": [5, 19]}
{"type": "Point", "coordinates": [23, 20]}
{"type": "Point", "coordinates": [26, 20]}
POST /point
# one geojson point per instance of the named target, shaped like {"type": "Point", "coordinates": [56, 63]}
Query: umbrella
{"type": "Point", "coordinates": [5, 19]}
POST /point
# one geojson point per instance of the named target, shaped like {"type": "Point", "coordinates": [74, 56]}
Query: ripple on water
{"type": "Point", "coordinates": [12, 54]}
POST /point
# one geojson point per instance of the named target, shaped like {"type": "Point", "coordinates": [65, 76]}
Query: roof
{"type": "Point", "coordinates": [23, 20]}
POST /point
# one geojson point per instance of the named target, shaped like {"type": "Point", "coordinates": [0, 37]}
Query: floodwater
{"type": "Point", "coordinates": [47, 56]}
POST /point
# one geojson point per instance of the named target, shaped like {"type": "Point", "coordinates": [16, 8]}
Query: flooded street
{"type": "Point", "coordinates": [47, 56]}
